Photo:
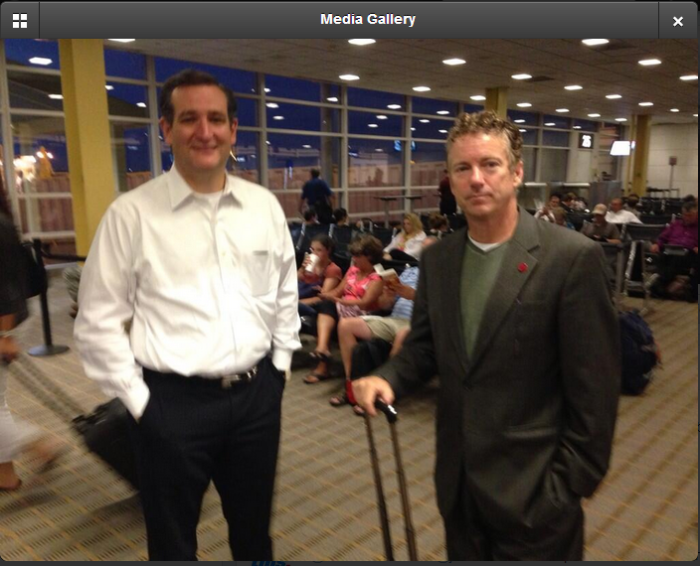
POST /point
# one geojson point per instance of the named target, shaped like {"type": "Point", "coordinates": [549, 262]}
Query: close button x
{"type": "Point", "coordinates": [677, 22]}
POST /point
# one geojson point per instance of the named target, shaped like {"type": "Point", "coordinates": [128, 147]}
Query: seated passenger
{"type": "Point", "coordinates": [357, 295]}
{"type": "Point", "coordinates": [618, 215]}
{"type": "Point", "coordinates": [310, 217]}
{"type": "Point", "coordinates": [322, 278]}
{"type": "Point", "coordinates": [545, 212]}
{"type": "Point", "coordinates": [439, 226]}
{"type": "Point", "coordinates": [560, 218]}
{"type": "Point", "coordinates": [340, 217]}
{"type": "Point", "coordinates": [406, 245]}
{"type": "Point", "coordinates": [600, 229]}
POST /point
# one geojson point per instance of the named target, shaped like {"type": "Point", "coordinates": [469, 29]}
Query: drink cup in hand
{"type": "Point", "coordinates": [313, 260]}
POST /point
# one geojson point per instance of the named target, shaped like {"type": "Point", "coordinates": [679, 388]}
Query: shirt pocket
{"type": "Point", "coordinates": [259, 272]}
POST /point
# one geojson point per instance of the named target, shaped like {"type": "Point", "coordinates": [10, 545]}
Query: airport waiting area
{"type": "Point", "coordinates": [358, 166]}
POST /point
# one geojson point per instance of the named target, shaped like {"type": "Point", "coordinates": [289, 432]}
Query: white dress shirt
{"type": "Point", "coordinates": [622, 217]}
{"type": "Point", "coordinates": [208, 283]}
{"type": "Point", "coordinates": [412, 247]}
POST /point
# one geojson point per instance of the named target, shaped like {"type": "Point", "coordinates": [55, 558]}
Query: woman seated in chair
{"type": "Point", "coordinates": [406, 245]}
{"type": "Point", "coordinates": [323, 277]}
{"type": "Point", "coordinates": [357, 295]}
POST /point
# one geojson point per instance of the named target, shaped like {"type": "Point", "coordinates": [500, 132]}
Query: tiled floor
{"type": "Point", "coordinates": [325, 507]}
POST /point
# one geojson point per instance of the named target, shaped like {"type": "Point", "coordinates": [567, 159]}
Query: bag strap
{"type": "Point", "coordinates": [44, 390]}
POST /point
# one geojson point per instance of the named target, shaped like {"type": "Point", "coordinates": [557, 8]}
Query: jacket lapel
{"type": "Point", "coordinates": [517, 267]}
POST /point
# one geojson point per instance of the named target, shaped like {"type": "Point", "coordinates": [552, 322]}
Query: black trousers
{"type": "Point", "coordinates": [193, 432]}
{"type": "Point", "coordinates": [470, 538]}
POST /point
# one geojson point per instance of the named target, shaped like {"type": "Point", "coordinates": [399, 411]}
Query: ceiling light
{"type": "Point", "coordinates": [442, 131]}
{"type": "Point", "coordinates": [577, 127]}
{"type": "Point", "coordinates": [278, 117]}
{"type": "Point", "coordinates": [306, 146]}
{"type": "Point", "coordinates": [424, 121]}
{"type": "Point", "coordinates": [443, 112]}
{"type": "Point", "coordinates": [372, 125]}
{"type": "Point", "coordinates": [519, 121]}
{"type": "Point", "coordinates": [272, 105]}
{"type": "Point", "coordinates": [379, 149]}
{"type": "Point", "coordinates": [349, 78]}
{"type": "Point", "coordinates": [649, 62]}
{"type": "Point", "coordinates": [523, 131]}
{"type": "Point", "coordinates": [573, 87]}
{"type": "Point", "coordinates": [413, 129]}
{"type": "Point", "coordinates": [362, 41]}
{"type": "Point", "coordinates": [695, 115]}
{"type": "Point", "coordinates": [689, 78]}
{"type": "Point", "coordinates": [675, 110]}
{"type": "Point", "coordinates": [382, 117]}
{"type": "Point", "coordinates": [521, 77]}
{"type": "Point", "coordinates": [454, 61]}
{"type": "Point", "coordinates": [594, 115]}
{"type": "Point", "coordinates": [594, 42]}
{"type": "Point", "coordinates": [268, 143]}
{"type": "Point", "coordinates": [56, 96]}
{"type": "Point", "coordinates": [267, 90]}
{"type": "Point", "coordinates": [332, 99]}
{"type": "Point", "coordinates": [550, 124]}
{"type": "Point", "coordinates": [477, 97]}
{"type": "Point", "coordinates": [394, 106]}
{"type": "Point", "coordinates": [613, 96]}
{"type": "Point", "coordinates": [523, 105]}
{"type": "Point", "coordinates": [40, 61]}
{"type": "Point", "coordinates": [141, 104]}
{"type": "Point", "coordinates": [646, 104]}
{"type": "Point", "coordinates": [562, 110]}
{"type": "Point", "coordinates": [421, 88]}
{"type": "Point", "coordinates": [109, 87]}
{"type": "Point", "coordinates": [621, 119]}
{"type": "Point", "coordinates": [123, 40]}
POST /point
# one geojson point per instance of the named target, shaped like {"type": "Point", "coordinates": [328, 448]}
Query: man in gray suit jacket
{"type": "Point", "coordinates": [516, 318]}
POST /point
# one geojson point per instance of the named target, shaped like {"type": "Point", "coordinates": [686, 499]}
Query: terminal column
{"type": "Point", "coordinates": [497, 100]}
{"type": "Point", "coordinates": [640, 166]}
{"type": "Point", "coordinates": [87, 133]}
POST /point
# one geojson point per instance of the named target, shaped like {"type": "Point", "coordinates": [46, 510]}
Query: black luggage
{"type": "Point", "coordinates": [640, 353]}
{"type": "Point", "coordinates": [104, 432]}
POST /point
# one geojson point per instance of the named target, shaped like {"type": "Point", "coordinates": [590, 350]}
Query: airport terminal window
{"type": "Point", "coordinates": [20, 51]}
{"type": "Point", "coordinates": [471, 108]}
{"type": "Point", "coordinates": [283, 87]}
{"type": "Point", "coordinates": [298, 117]}
{"type": "Point", "coordinates": [35, 91]}
{"type": "Point", "coordinates": [430, 128]}
{"type": "Point", "coordinates": [524, 118]}
{"type": "Point", "coordinates": [291, 158]}
{"type": "Point", "coordinates": [554, 163]}
{"type": "Point", "coordinates": [556, 122]}
{"type": "Point", "coordinates": [529, 136]}
{"type": "Point", "coordinates": [331, 93]}
{"type": "Point", "coordinates": [555, 139]}
{"type": "Point", "coordinates": [375, 163]}
{"type": "Point", "coordinates": [127, 100]}
{"type": "Point", "coordinates": [434, 107]}
{"type": "Point", "coordinates": [246, 151]}
{"type": "Point", "coordinates": [427, 164]}
{"type": "Point", "coordinates": [529, 164]}
{"type": "Point", "coordinates": [247, 111]}
{"type": "Point", "coordinates": [585, 125]}
{"type": "Point", "coordinates": [375, 124]}
{"type": "Point", "coordinates": [238, 81]}
{"type": "Point", "coordinates": [125, 64]}
{"type": "Point", "coordinates": [375, 99]}
{"type": "Point", "coordinates": [131, 152]}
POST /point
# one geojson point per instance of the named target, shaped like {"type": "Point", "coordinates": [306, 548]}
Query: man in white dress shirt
{"type": "Point", "coordinates": [202, 266]}
{"type": "Point", "coordinates": [618, 215]}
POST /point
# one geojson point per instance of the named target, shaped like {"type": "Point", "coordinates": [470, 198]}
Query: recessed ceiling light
{"type": "Point", "coordinates": [523, 105]}
{"type": "Point", "coordinates": [332, 99]}
{"type": "Point", "coordinates": [550, 124]}
{"type": "Point", "coordinates": [573, 87]}
{"type": "Point", "coordinates": [272, 105]}
{"type": "Point", "coordinates": [442, 131]}
{"type": "Point", "coordinates": [382, 117]}
{"type": "Point", "coordinates": [621, 119]}
{"type": "Point", "coordinates": [141, 104]}
{"type": "Point", "coordinates": [268, 143]}
{"type": "Point", "coordinates": [421, 88]}
{"type": "Point", "coordinates": [278, 117]}
{"type": "Point", "coordinates": [689, 78]}
{"type": "Point", "coordinates": [413, 129]}
{"type": "Point", "coordinates": [424, 121]}
{"type": "Point", "coordinates": [372, 125]}
{"type": "Point", "coordinates": [523, 131]}
{"type": "Point", "coordinates": [562, 110]}
{"type": "Point", "coordinates": [577, 127]}
{"type": "Point", "coordinates": [675, 110]}
{"type": "Point", "coordinates": [349, 78]}
{"type": "Point", "coordinates": [519, 121]}
{"type": "Point", "coordinates": [123, 40]}
{"type": "Point", "coordinates": [394, 106]}
{"type": "Point", "coordinates": [454, 61]}
{"type": "Point", "coordinates": [613, 96]}
{"type": "Point", "coordinates": [306, 146]}
{"type": "Point", "coordinates": [109, 87]}
{"type": "Point", "coordinates": [443, 112]}
{"type": "Point", "coordinates": [56, 96]}
{"type": "Point", "coordinates": [650, 62]}
{"type": "Point", "coordinates": [594, 115]}
{"type": "Point", "coordinates": [521, 77]}
{"type": "Point", "coordinates": [646, 104]}
{"type": "Point", "coordinates": [593, 42]}
{"type": "Point", "coordinates": [379, 149]}
{"type": "Point", "coordinates": [362, 41]}
{"type": "Point", "coordinates": [267, 90]}
{"type": "Point", "coordinates": [40, 61]}
{"type": "Point", "coordinates": [477, 97]}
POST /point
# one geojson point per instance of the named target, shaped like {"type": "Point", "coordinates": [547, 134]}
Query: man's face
{"type": "Point", "coordinates": [554, 202]}
{"type": "Point", "coordinates": [599, 219]}
{"type": "Point", "coordinates": [616, 205]}
{"type": "Point", "coordinates": [690, 217]}
{"type": "Point", "coordinates": [480, 175]}
{"type": "Point", "coordinates": [201, 135]}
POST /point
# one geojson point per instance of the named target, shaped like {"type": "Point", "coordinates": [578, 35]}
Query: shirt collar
{"type": "Point", "coordinates": [180, 191]}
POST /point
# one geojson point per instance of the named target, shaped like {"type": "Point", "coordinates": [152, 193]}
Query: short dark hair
{"type": "Point", "coordinates": [689, 206]}
{"type": "Point", "coordinates": [558, 195]}
{"type": "Point", "coordinates": [309, 214]}
{"type": "Point", "coordinates": [690, 198]}
{"type": "Point", "coordinates": [315, 173]}
{"type": "Point", "coordinates": [340, 214]}
{"type": "Point", "coordinates": [325, 241]}
{"type": "Point", "coordinates": [192, 77]}
{"type": "Point", "coordinates": [369, 246]}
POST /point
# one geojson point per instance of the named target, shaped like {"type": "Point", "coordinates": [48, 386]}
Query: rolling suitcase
{"type": "Point", "coordinates": [105, 431]}
{"type": "Point", "coordinates": [392, 417]}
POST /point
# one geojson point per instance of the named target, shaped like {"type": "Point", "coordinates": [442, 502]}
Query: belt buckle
{"type": "Point", "coordinates": [227, 381]}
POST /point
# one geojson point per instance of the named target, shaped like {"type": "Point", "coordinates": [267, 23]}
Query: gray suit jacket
{"type": "Point", "coordinates": [528, 422]}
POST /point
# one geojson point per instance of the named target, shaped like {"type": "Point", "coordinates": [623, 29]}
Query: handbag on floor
{"type": "Point", "coordinates": [104, 431]}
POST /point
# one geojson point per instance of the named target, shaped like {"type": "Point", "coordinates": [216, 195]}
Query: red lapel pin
{"type": "Point", "coordinates": [522, 268]}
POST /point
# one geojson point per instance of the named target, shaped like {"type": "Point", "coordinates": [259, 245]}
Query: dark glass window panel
{"type": "Point", "coordinates": [375, 99]}
{"type": "Point", "coordinates": [433, 107]}
{"type": "Point", "coordinates": [375, 163]}
{"type": "Point", "coordinates": [127, 100]}
{"type": "Point", "coordinates": [370, 124]}
{"type": "Point", "coordinates": [472, 108]}
{"type": "Point", "coordinates": [523, 118]}
{"type": "Point", "coordinates": [291, 158]}
{"type": "Point", "coordinates": [247, 152]}
{"type": "Point", "coordinates": [556, 122]}
{"type": "Point", "coordinates": [19, 51]}
{"type": "Point", "coordinates": [297, 117]}
{"type": "Point", "coordinates": [30, 90]}
{"type": "Point", "coordinates": [284, 87]}
{"type": "Point", "coordinates": [434, 129]}
{"type": "Point", "coordinates": [238, 81]}
{"type": "Point", "coordinates": [586, 125]}
{"type": "Point", "coordinates": [529, 136]}
{"type": "Point", "coordinates": [555, 139]}
{"type": "Point", "coordinates": [125, 64]}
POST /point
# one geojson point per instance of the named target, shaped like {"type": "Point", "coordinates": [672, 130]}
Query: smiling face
{"type": "Point", "coordinates": [481, 178]}
{"type": "Point", "coordinates": [201, 134]}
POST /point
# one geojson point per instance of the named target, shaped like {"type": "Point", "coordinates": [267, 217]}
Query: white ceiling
{"type": "Point", "coordinates": [397, 65]}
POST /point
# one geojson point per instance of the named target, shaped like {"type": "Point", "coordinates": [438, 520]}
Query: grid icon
{"type": "Point", "coordinates": [19, 21]}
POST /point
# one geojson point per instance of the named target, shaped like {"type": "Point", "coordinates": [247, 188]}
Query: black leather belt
{"type": "Point", "coordinates": [226, 381]}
